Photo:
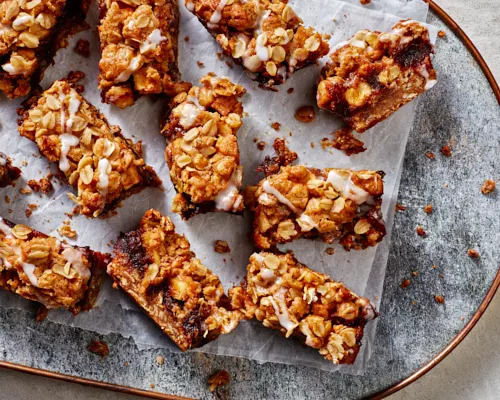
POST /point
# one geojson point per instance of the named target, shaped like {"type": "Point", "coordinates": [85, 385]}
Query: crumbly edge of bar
{"type": "Point", "coordinates": [131, 65]}
{"type": "Point", "coordinates": [374, 74]}
{"type": "Point", "coordinates": [286, 295]}
{"type": "Point", "coordinates": [283, 47]}
{"type": "Point", "coordinates": [8, 173]}
{"type": "Point", "coordinates": [40, 246]}
{"type": "Point", "coordinates": [304, 202]}
{"type": "Point", "coordinates": [156, 267]}
{"type": "Point", "coordinates": [70, 22]}
{"type": "Point", "coordinates": [202, 150]}
{"type": "Point", "coordinates": [40, 121]}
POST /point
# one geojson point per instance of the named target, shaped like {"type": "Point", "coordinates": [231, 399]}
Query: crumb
{"type": "Point", "coordinates": [7, 199]}
{"type": "Point", "coordinates": [488, 186]}
{"type": "Point", "coordinates": [221, 246]}
{"type": "Point", "coordinates": [126, 364]}
{"type": "Point", "coordinates": [430, 155]}
{"type": "Point", "coordinates": [186, 39]}
{"type": "Point", "coordinates": [305, 114]}
{"type": "Point", "coordinates": [439, 299]}
{"type": "Point", "coordinates": [24, 163]}
{"type": "Point", "coordinates": [405, 283]}
{"type": "Point", "coordinates": [330, 250]}
{"type": "Point", "coordinates": [446, 151]}
{"type": "Point", "coordinates": [345, 141]}
{"type": "Point", "coordinates": [44, 185]}
{"type": "Point", "coordinates": [441, 34]}
{"type": "Point", "coordinates": [290, 91]}
{"type": "Point", "coordinates": [365, 2]}
{"type": "Point", "coordinates": [433, 267]}
{"type": "Point", "coordinates": [445, 185]}
{"type": "Point", "coordinates": [413, 302]}
{"type": "Point", "coordinates": [441, 276]}
{"type": "Point", "coordinates": [30, 209]}
{"type": "Point", "coordinates": [255, 140]}
{"type": "Point", "coordinates": [276, 126]}
{"type": "Point", "coordinates": [415, 273]}
{"type": "Point", "coordinates": [67, 231]}
{"type": "Point", "coordinates": [421, 232]}
{"type": "Point", "coordinates": [229, 64]}
{"type": "Point", "coordinates": [313, 145]}
{"type": "Point", "coordinates": [400, 207]}
{"type": "Point", "coordinates": [152, 386]}
{"type": "Point", "coordinates": [41, 313]}
{"type": "Point", "coordinates": [200, 64]}
{"type": "Point", "coordinates": [25, 191]}
{"type": "Point", "coordinates": [219, 55]}
{"type": "Point", "coordinates": [98, 347]}
{"type": "Point", "coordinates": [428, 208]}
{"type": "Point", "coordinates": [473, 253]}
{"type": "Point", "coordinates": [220, 378]}
{"type": "Point", "coordinates": [82, 47]}
{"type": "Point", "coordinates": [160, 360]}
{"type": "Point", "coordinates": [261, 145]}
{"type": "Point", "coordinates": [284, 157]}
{"type": "Point", "coordinates": [462, 318]}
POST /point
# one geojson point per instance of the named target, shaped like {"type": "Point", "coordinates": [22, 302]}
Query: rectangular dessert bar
{"type": "Point", "coordinates": [202, 148]}
{"type": "Point", "coordinates": [374, 74]}
{"type": "Point", "coordinates": [156, 267]}
{"type": "Point", "coordinates": [44, 269]}
{"type": "Point", "coordinates": [92, 155]}
{"type": "Point", "coordinates": [335, 204]}
{"type": "Point", "coordinates": [287, 296]}
{"type": "Point", "coordinates": [266, 37]}
{"type": "Point", "coordinates": [139, 50]}
{"type": "Point", "coordinates": [31, 31]}
{"type": "Point", "coordinates": [8, 173]}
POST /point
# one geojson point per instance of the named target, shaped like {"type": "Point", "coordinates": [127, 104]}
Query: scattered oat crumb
{"type": "Point", "coordinates": [24, 163]}
{"type": "Point", "coordinates": [160, 360]}
{"type": "Point", "coordinates": [229, 64]}
{"type": "Point", "coordinates": [219, 55]}
{"type": "Point", "coordinates": [41, 313]}
{"type": "Point", "coordinates": [98, 347]}
{"type": "Point", "coordinates": [488, 186]}
{"type": "Point", "coordinates": [462, 318]}
{"type": "Point", "coordinates": [126, 363]}
{"type": "Point", "coordinates": [290, 91]}
{"type": "Point", "coordinates": [152, 386]}
{"type": "Point", "coordinates": [405, 283]}
{"type": "Point", "coordinates": [413, 303]}
{"type": "Point", "coordinates": [330, 250]}
{"type": "Point", "coordinates": [473, 253]}
{"type": "Point", "coordinates": [446, 151]}
{"type": "Point", "coordinates": [276, 126]}
{"type": "Point", "coordinates": [221, 246]}
{"type": "Point", "coordinates": [44, 185]}
{"type": "Point", "coordinates": [30, 209]}
{"type": "Point", "coordinates": [82, 47]}
{"type": "Point", "coordinates": [415, 273]}
{"type": "Point", "coordinates": [313, 145]}
{"type": "Point", "coordinates": [66, 230]}
{"type": "Point", "coordinates": [200, 64]}
{"type": "Point", "coordinates": [445, 185]}
{"type": "Point", "coordinates": [186, 39]}
{"type": "Point", "coordinates": [441, 276]}
{"type": "Point", "coordinates": [441, 34]}
{"type": "Point", "coordinates": [305, 114]}
{"type": "Point", "coordinates": [25, 191]}
{"type": "Point", "coordinates": [430, 155]}
{"type": "Point", "coordinates": [220, 378]}
{"type": "Point", "coordinates": [365, 2]}
{"type": "Point", "coordinates": [428, 208]}
{"type": "Point", "coordinates": [400, 207]}
{"type": "Point", "coordinates": [261, 145]}
{"type": "Point", "coordinates": [7, 199]}
{"type": "Point", "coordinates": [344, 141]}
{"type": "Point", "coordinates": [439, 299]}
{"type": "Point", "coordinates": [433, 267]}
{"type": "Point", "coordinates": [421, 232]}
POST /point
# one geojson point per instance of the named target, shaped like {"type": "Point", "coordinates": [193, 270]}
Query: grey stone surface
{"type": "Point", "coordinates": [461, 109]}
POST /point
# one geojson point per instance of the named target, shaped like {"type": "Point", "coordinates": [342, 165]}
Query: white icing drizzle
{"type": "Point", "coordinates": [217, 15]}
{"type": "Point", "coordinates": [103, 167]}
{"type": "Point", "coordinates": [188, 112]}
{"type": "Point", "coordinates": [75, 258]}
{"type": "Point", "coordinates": [306, 223]}
{"type": "Point", "coordinates": [74, 105]}
{"type": "Point", "coordinates": [3, 161]}
{"type": "Point", "coordinates": [267, 274]}
{"type": "Point", "coordinates": [263, 15]}
{"type": "Point", "coordinates": [133, 66]}
{"type": "Point", "coordinates": [261, 48]}
{"type": "Point", "coordinates": [279, 305]}
{"type": "Point", "coordinates": [429, 83]}
{"type": "Point", "coordinates": [230, 198]}
{"type": "Point", "coordinates": [67, 141]}
{"type": "Point", "coordinates": [11, 70]}
{"type": "Point", "coordinates": [29, 270]}
{"type": "Point", "coordinates": [152, 41]}
{"type": "Point", "coordinates": [347, 188]}
{"type": "Point", "coordinates": [257, 257]}
{"type": "Point", "coordinates": [190, 5]}
{"type": "Point", "coordinates": [282, 199]}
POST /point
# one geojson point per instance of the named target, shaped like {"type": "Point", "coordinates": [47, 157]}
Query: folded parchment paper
{"type": "Point", "coordinates": [363, 271]}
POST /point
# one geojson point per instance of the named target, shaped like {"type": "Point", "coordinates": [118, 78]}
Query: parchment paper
{"type": "Point", "coordinates": [363, 271]}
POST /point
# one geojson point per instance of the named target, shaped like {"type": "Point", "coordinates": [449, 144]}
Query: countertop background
{"type": "Point", "coordinates": [472, 370]}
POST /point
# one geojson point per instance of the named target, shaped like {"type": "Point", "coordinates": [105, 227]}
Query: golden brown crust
{"type": "Point", "coordinates": [202, 151]}
{"type": "Point", "coordinates": [42, 269]}
{"type": "Point", "coordinates": [288, 296]}
{"type": "Point", "coordinates": [374, 74]}
{"type": "Point", "coordinates": [8, 173]}
{"type": "Point", "coordinates": [92, 155]}
{"type": "Point", "coordinates": [156, 267]}
{"type": "Point", "coordinates": [335, 204]}
{"type": "Point", "coordinates": [139, 50]}
{"type": "Point", "coordinates": [266, 37]}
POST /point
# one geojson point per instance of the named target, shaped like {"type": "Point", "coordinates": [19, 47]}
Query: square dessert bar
{"type": "Point", "coordinates": [139, 50]}
{"type": "Point", "coordinates": [374, 74]}
{"type": "Point", "coordinates": [266, 37]}
{"type": "Point", "coordinates": [335, 204]}
{"type": "Point", "coordinates": [202, 148]}
{"type": "Point", "coordinates": [92, 155]}
{"type": "Point", "coordinates": [44, 269]}
{"type": "Point", "coordinates": [31, 31]}
{"type": "Point", "coordinates": [8, 173]}
{"type": "Point", "coordinates": [156, 267]}
{"type": "Point", "coordinates": [288, 296]}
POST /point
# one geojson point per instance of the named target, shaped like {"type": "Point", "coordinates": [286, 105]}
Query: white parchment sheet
{"type": "Point", "coordinates": [363, 271]}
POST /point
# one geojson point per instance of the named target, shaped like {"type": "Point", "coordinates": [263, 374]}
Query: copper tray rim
{"type": "Point", "coordinates": [450, 22]}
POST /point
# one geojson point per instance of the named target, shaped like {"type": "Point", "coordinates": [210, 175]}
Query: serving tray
{"type": "Point", "coordinates": [414, 332]}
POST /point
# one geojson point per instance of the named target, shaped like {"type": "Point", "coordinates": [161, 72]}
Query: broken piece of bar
{"type": "Point", "coordinates": [266, 37]}
{"type": "Point", "coordinates": [92, 155]}
{"type": "Point", "coordinates": [8, 173]}
{"type": "Point", "coordinates": [31, 32]}
{"type": "Point", "coordinates": [44, 269]}
{"type": "Point", "coordinates": [287, 296]}
{"type": "Point", "coordinates": [156, 267]}
{"type": "Point", "coordinates": [139, 50]}
{"type": "Point", "coordinates": [374, 74]}
{"type": "Point", "coordinates": [202, 148]}
{"type": "Point", "coordinates": [335, 204]}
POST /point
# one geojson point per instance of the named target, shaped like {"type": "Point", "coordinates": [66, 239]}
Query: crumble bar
{"type": "Point", "coordinates": [202, 148]}
{"type": "Point", "coordinates": [92, 155]}
{"type": "Point", "coordinates": [43, 269]}
{"type": "Point", "coordinates": [374, 74]}
{"type": "Point", "coordinates": [31, 31]}
{"type": "Point", "coordinates": [156, 267]}
{"type": "Point", "coordinates": [266, 37]}
{"type": "Point", "coordinates": [287, 296]}
{"type": "Point", "coordinates": [8, 173]}
{"type": "Point", "coordinates": [305, 202]}
{"type": "Point", "coordinates": [139, 50]}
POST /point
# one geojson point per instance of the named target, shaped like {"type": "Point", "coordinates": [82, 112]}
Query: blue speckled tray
{"type": "Point", "coordinates": [413, 329]}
